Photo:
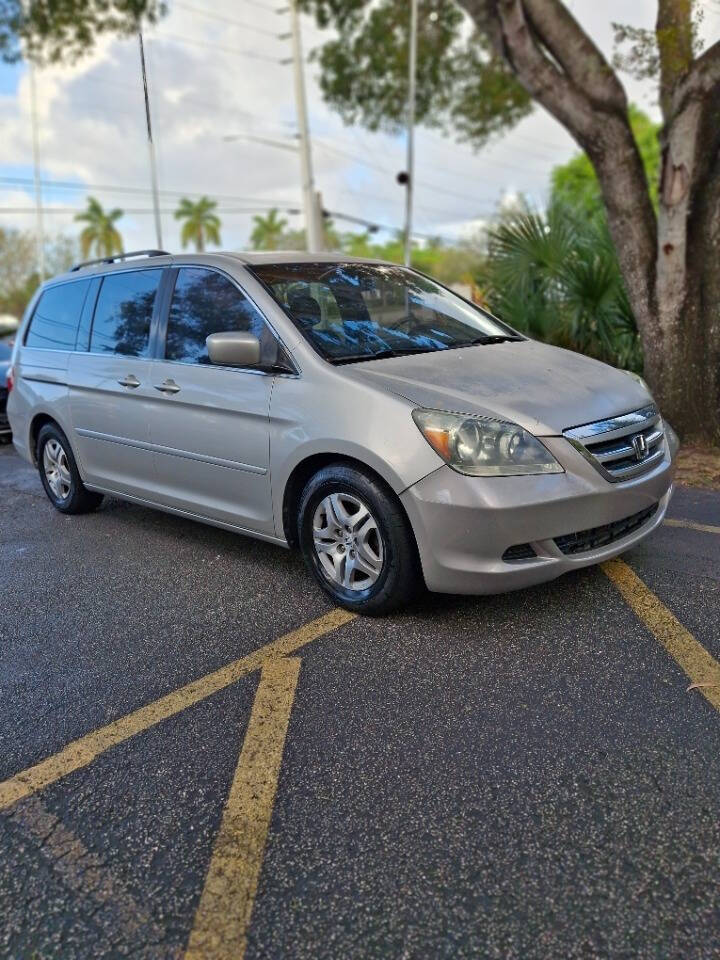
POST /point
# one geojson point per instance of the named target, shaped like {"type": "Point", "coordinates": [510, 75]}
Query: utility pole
{"type": "Point", "coordinates": [39, 228]}
{"type": "Point", "coordinates": [153, 171]}
{"type": "Point", "coordinates": [412, 76]}
{"type": "Point", "coordinates": [313, 217]}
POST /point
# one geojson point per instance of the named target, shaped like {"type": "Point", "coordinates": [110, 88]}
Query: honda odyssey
{"type": "Point", "coordinates": [394, 432]}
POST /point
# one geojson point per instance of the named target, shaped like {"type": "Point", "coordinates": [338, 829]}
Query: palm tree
{"type": "Point", "coordinates": [556, 276]}
{"type": "Point", "coordinates": [202, 224]}
{"type": "Point", "coordinates": [100, 232]}
{"type": "Point", "coordinates": [267, 231]}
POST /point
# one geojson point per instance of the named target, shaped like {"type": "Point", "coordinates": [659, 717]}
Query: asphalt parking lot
{"type": "Point", "coordinates": [199, 757]}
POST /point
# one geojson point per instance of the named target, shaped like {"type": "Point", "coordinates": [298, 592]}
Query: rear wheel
{"type": "Point", "coordinates": [357, 542]}
{"type": "Point", "coordinates": [59, 473]}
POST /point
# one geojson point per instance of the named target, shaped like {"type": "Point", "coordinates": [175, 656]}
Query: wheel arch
{"type": "Point", "coordinates": [36, 424]}
{"type": "Point", "coordinates": [310, 465]}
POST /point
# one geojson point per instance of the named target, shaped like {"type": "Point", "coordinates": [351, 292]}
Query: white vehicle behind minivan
{"type": "Point", "coordinates": [397, 434]}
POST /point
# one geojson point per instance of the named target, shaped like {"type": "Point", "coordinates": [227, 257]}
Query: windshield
{"type": "Point", "coordinates": [357, 311]}
{"type": "Point", "coordinates": [5, 349]}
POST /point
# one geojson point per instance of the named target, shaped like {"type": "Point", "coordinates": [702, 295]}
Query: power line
{"type": "Point", "coordinates": [219, 17]}
{"type": "Point", "coordinates": [106, 188]}
{"type": "Point", "coordinates": [433, 211]}
{"type": "Point", "coordinates": [133, 211]}
{"type": "Point", "coordinates": [262, 6]}
{"type": "Point", "coordinates": [373, 224]}
{"type": "Point", "coordinates": [436, 188]}
{"type": "Point", "coordinates": [234, 51]}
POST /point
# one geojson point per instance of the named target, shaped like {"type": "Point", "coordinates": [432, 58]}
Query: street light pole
{"type": "Point", "coordinates": [412, 76]}
{"type": "Point", "coordinates": [313, 226]}
{"type": "Point", "coordinates": [39, 228]}
{"type": "Point", "coordinates": [151, 146]}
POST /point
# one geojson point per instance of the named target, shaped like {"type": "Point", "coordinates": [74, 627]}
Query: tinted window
{"type": "Point", "coordinates": [55, 321]}
{"type": "Point", "coordinates": [205, 302]}
{"type": "Point", "coordinates": [357, 311]}
{"type": "Point", "coordinates": [124, 312]}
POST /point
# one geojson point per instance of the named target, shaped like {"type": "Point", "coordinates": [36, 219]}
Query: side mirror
{"type": "Point", "coordinates": [233, 349]}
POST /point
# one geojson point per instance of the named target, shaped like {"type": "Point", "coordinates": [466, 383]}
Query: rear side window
{"type": "Point", "coordinates": [205, 302]}
{"type": "Point", "coordinates": [55, 321]}
{"type": "Point", "coordinates": [123, 313]}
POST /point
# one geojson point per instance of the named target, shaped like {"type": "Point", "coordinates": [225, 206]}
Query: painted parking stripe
{"type": "Point", "coordinates": [223, 916]}
{"type": "Point", "coordinates": [698, 664]}
{"type": "Point", "coordinates": [691, 525]}
{"type": "Point", "coordinates": [82, 752]}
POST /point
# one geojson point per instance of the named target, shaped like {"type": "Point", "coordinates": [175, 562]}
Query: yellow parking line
{"type": "Point", "coordinates": [82, 752]}
{"type": "Point", "coordinates": [691, 525]}
{"type": "Point", "coordinates": [223, 916]}
{"type": "Point", "coordinates": [698, 664]}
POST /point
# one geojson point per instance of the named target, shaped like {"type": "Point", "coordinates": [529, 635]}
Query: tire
{"type": "Point", "coordinates": [379, 547]}
{"type": "Point", "coordinates": [59, 473]}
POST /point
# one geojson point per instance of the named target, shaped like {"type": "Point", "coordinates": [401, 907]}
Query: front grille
{"type": "Point", "coordinates": [603, 536]}
{"type": "Point", "coordinates": [521, 551]}
{"type": "Point", "coordinates": [623, 447]}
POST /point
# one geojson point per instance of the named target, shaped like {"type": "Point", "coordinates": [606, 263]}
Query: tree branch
{"type": "Point", "coordinates": [580, 59]}
{"type": "Point", "coordinates": [702, 78]}
{"type": "Point", "coordinates": [674, 37]}
{"type": "Point", "coordinates": [513, 37]}
{"type": "Point", "coordinates": [568, 90]}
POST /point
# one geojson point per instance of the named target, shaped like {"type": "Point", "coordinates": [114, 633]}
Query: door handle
{"type": "Point", "coordinates": [167, 386]}
{"type": "Point", "coordinates": [130, 381]}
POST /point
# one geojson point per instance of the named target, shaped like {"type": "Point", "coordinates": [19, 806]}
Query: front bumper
{"type": "Point", "coordinates": [463, 525]}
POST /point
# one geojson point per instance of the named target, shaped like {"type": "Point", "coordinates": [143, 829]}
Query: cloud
{"type": "Point", "coordinates": [210, 77]}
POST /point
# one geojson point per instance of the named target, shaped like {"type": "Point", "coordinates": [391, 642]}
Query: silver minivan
{"type": "Point", "coordinates": [395, 433]}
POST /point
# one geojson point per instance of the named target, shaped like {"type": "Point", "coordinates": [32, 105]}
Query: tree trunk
{"type": "Point", "coordinates": [682, 357]}
{"type": "Point", "coordinates": [671, 265]}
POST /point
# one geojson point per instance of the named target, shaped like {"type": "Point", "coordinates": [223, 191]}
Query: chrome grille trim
{"type": "Point", "coordinates": [608, 444]}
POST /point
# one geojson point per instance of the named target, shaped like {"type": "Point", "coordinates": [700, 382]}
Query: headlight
{"type": "Point", "coordinates": [484, 448]}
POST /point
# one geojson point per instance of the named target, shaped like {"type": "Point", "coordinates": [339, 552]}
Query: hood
{"type": "Point", "coordinates": [544, 389]}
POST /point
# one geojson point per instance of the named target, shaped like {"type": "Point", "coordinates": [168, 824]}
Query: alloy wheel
{"type": "Point", "coordinates": [57, 469]}
{"type": "Point", "coordinates": [347, 542]}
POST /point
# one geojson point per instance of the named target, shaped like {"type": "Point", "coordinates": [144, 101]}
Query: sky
{"type": "Point", "coordinates": [215, 71]}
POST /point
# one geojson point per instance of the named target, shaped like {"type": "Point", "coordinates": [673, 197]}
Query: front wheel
{"type": "Point", "coordinates": [357, 542]}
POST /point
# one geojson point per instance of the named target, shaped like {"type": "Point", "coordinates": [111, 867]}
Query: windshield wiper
{"type": "Point", "coordinates": [497, 338]}
{"type": "Point", "coordinates": [381, 354]}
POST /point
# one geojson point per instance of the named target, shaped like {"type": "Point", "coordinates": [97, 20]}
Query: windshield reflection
{"type": "Point", "coordinates": [351, 311]}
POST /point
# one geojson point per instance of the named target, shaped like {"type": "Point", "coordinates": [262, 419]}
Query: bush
{"type": "Point", "coordinates": [556, 277]}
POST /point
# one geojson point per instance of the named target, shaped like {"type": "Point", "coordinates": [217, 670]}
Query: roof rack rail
{"type": "Point", "coordinates": [119, 257]}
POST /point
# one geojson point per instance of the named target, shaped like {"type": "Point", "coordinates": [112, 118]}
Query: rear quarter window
{"type": "Point", "coordinates": [54, 323]}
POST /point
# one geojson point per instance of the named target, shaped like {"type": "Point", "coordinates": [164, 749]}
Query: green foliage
{"type": "Point", "coordinates": [449, 264]}
{"type": "Point", "coordinates": [201, 223]}
{"type": "Point", "coordinates": [55, 31]}
{"type": "Point", "coordinates": [268, 231]}
{"type": "Point", "coordinates": [638, 51]}
{"type": "Point", "coordinates": [100, 236]}
{"type": "Point", "coordinates": [18, 266]}
{"type": "Point", "coordinates": [454, 263]}
{"type": "Point", "coordinates": [575, 185]}
{"type": "Point", "coordinates": [461, 84]}
{"type": "Point", "coordinates": [557, 278]}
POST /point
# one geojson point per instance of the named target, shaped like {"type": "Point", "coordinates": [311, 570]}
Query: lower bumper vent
{"type": "Point", "coordinates": [598, 537]}
{"type": "Point", "coordinates": [521, 551]}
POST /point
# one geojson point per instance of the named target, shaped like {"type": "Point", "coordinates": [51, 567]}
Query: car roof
{"type": "Point", "coordinates": [157, 258]}
{"type": "Point", "coordinates": [256, 257]}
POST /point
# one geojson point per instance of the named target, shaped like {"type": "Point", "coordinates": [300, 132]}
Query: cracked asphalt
{"type": "Point", "coordinates": [523, 776]}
